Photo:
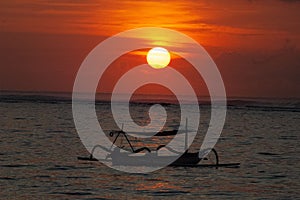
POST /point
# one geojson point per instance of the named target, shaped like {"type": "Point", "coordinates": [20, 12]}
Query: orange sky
{"type": "Point", "coordinates": [255, 44]}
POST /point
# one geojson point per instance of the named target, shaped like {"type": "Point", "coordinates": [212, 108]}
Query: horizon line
{"type": "Point", "coordinates": [44, 93]}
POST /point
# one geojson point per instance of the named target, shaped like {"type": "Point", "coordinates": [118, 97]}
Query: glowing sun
{"type": "Point", "coordinates": [158, 57]}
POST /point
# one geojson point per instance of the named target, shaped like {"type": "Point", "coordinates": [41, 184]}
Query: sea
{"type": "Point", "coordinates": [40, 146]}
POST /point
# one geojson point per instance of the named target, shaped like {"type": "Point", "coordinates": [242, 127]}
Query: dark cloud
{"type": "Point", "coordinates": [261, 73]}
{"type": "Point", "coordinates": [290, 1]}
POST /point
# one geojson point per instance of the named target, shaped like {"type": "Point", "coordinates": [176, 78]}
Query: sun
{"type": "Point", "coordinates": [158, 57]}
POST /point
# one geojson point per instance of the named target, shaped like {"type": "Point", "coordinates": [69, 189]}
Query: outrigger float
{"type": "Point", "coordinates": [145, 157]}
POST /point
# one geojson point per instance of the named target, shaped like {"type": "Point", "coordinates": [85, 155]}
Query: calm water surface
{"type": "Point", "coordinates": [39, 148]}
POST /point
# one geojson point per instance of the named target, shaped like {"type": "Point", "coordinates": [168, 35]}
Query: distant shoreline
{"type": "Point", "coordinates": [69, 94]}
{"type": "Point", "coordinates": [268, 104]}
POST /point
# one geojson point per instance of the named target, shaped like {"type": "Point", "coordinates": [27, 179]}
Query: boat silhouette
{"type": "Point", "coordinates": [143, 156]}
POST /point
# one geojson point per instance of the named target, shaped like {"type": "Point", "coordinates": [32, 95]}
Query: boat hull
{"type": "Point", "coordinates": [151, 159]}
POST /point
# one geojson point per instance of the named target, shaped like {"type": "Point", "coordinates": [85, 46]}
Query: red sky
{"type": "Point", "coordinates": [255, 44]}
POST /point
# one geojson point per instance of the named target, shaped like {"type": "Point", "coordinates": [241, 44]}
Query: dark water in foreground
{"type": "Point", "coordinates": [39, 148]}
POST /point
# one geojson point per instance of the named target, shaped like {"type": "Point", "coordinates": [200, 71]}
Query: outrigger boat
{"type": "Point", "coordinates": [143, 156]}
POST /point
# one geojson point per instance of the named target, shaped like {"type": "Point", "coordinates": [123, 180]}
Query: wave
{"type": "Point", "coordinates": [292, 105]}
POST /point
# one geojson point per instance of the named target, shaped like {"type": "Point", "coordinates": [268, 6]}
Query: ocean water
{"type": "Point", "coordinates": [39, 147]}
